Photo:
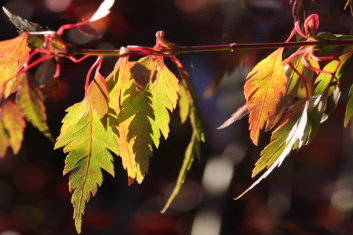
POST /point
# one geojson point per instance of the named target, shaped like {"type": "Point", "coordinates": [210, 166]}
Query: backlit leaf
{"type": "Point", "coordinates": [324, 81]}
{"type": "Point", "coordinates": [13, 85]}
{"type": "Point", "coordinates": [142, 94]}
{"type": "Point", "coordinates": [189, 108]}
{"type": "Point", "coordinates": [137, 131]}
{"type": "Point", "coordinates": [31, 102]}
{"type": "Point", "coordinates": [87, 141]}
{"type": "Point", "coordinates": [237, 115]}
{"type": "Point", "coordinates": [265, 86]}
{"type": "Point", "coordinates": [164, 87]}
{"type": "Point", "coordinates": [14, 54]}
{"type": "Point", "coordinates": [103, 10]}
{"type": "Point", "coordinates": [278, 141]}
{"type": "Point", "coordinates": [283, 142]}
{"type": "Point", "coordinates": [14, 124]}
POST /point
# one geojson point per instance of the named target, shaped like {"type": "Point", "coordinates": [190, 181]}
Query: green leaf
{"type": "Point", "coordinates": [287, 137]}
{"type": "Point", "coordinates": [13, 124]}
{"type": "Point", "coordinates": [142, 94]}
{"type": "Point", "coordinates": [323, 81]}
{"type": "Point", "coordinates": [87, 142]}
{"type": "Point", "coordinates": [277, 144]}
{"type": "Point", "coordinates": [188, 107]}
{"type": "Point", "coordinates": [331, 36]}
{"type": "Point", "coordinates": [31, 102]}
{"type": "Point", "coordinates": [192, 150]}
{"type": "Point", "coordinates": [163, 85]}
{"type": "Point", "coordinates": [184, 105]}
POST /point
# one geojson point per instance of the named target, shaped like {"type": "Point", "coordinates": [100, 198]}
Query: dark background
{"type": "Point", "coordinates": [310, 194]}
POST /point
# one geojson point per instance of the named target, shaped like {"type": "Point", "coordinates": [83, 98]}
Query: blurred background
{"type": "Point", "coordinates": [312, 192]}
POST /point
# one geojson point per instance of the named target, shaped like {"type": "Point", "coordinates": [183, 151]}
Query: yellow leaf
{"type": "Point", "coordinates": [265, 86]}
{"type": "Point", "coordinates": [136, 127]}
{"type": "Point", "coordinates": [142, 94]}
{"type": "Point", "coordinates": [14, 124]}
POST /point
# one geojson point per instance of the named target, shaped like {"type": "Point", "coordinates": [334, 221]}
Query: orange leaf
{"type": "Point", "coordinates": [14, 54]}
{"type": "Point", "coordinates": [265, 86]}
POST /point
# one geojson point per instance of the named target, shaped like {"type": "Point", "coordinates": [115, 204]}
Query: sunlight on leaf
{"type": "Point", "coordinates": [13, 124]}
{"type": "Point", "coordinates": [87, 141]}
{"type": "Point", "coordinates": [265, 86]}
{"type": "Point", "coordinates": [188, 108]}
{"type": "Point", "coordinates": [103, 10]}
{"type": "Point", "coordinates": [31, 102]}
{"type": "Point", "coordinates": [284, 141]}
{"type": "Point", "coordinates": [14, 54]}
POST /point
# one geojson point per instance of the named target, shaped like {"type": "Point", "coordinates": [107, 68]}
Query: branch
{"type": "Point", "coordinates": [176, 50]}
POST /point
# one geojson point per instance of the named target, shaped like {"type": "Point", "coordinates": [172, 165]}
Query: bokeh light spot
{"type": "Point", "coordinates": [57, 5]}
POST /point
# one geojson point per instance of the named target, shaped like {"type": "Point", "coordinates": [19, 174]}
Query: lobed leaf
{"type": "Point", "coordinates": [265, 86]}
{"type": "Point", "coordinates": [31, 102]}
{"type": "Point", "coordinates": [163, 85]}
{"type": "Point", "coordinates": [87, 142]}
{"type": "Point", "coordinates": [187, 106]}
{"type": "Point", "coordinates": [142, 93]}
{"type": "Point", "coordinates": [284, 140]}
{"type": "Point", "coordinates": [135, 120]}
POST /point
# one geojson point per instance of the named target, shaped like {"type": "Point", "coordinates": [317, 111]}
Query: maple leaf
{"type": "Point", "coordinates": [11, 128]}
{"type": "Point", "coordinates": [31, 102]}
{"type": "Point", "coordinates": [141, 94]}
{"type": "Point", "coordinates": [188, 109]}
{"type": "Point", "coordinates": [87, 142]}
{"type": "Point", "coordinates": [164, 87]}
{"type": "Point", "coordinates": [14, 54]}
{"type": "Point", "coordinates": [278, 140]}
{"type": "Point", "coordinates": [136, 128]}
{"type": "Point", "coordinates": [284, 140]}
{"type": "Point", "coordinates": [265, 86]}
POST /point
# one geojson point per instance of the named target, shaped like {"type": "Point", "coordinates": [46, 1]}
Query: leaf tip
{"type": "Point", "coordinates": [164, 209]}
{"type": "Point", "coordinates": [7, 12]}
{"type": "Point", "coordinates": [78, 222]}
{"type": "Point", "coordinates": [131, 181]}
